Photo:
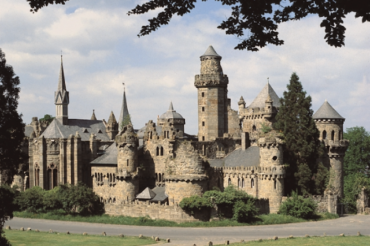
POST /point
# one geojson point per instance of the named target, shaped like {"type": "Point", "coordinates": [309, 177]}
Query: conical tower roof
{"type": "Point", "coordinates": [112, 119]}
{"type": "Point", "coordinates": [93, 117]}
{"type": "Point", "coordinates": [62, 81]}
{"type": "Point", "coordinates": [124, 111]}
{"type": "Point", "coordinates": [171, 114]}
{"type": "Point", "coordinates": [326, 111]}
{"type": "Point", "coordinates": [210, 52]}
{"type": "Point", "coordinates": [259, 101]}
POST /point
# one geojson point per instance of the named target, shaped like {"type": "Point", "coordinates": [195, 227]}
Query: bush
{"type": "Point", "coordinates": [6, 210]}
{"type": "Point", "coordinates": [193, 203]}
{"type": "Point", "coordinates": [298, 207]}
{"type": "Point", "coordinates": [31, 200]}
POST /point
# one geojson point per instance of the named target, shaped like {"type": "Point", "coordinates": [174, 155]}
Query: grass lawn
{"type": "Point", "coordinates": [268, 219]}
{"type": "Point", "coordinates": [311, 241]}
{"type": "Point", "coordinates": [21, 238]}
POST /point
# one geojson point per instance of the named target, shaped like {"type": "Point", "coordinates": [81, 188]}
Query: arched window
{"type": "Point", "coordinates": [324, 134]}
{"type": "Point", "coordinates": [160, 178]}
{"type": "Point", "coordinates": [243, 184]}
{"type": "Point", "coordinates": [128, 162]}
{"type": "Point", "coordinates": [157, 153]}
{"type": "Point", "coordinates": [203, 138]}
{"type": "Point", "coordinates": [252, 183]}
{"type": "Point", "coordinates": [52, 176]}
{"type": "Point", "coordinates": [37, 175]}
{"type": "Point", "coordinates": [275, 184]}
{"type": "Point", "coordinates": [332, 135]}
{"type": "Point", "coordinates": [156, 176]}
{"type": "Point", "coordinates": [254, 128]}
{"type": "Point", "coordinates": [114, 178]}
{"type": "Point", "coordinates": [161, 151]}
{"type": "Point", "coordinates": [239, 183]}
{"type": "Point", "coordinates": [229, 181]}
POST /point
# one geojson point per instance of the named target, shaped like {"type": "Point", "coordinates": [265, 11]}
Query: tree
{"type": "Point", "coordinates": [302, 145]}
{"type": "Point", "coordinates": [356, 164]}
{"type": "Point", "coordinates": [256, 19]}
{"type": "Point", "coordinates": [11, 125]}
{"type": "Point", "coordinates": [47, 118]}
{"type": "Point", "coordinates": [6, 210]}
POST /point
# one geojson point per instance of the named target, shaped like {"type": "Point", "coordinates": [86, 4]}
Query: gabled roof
{"type": "Point", "coordinates": [84, 128]}
{"type": "Point", "coordinates": [146, 194]}
{"type": "Point", "coordinates": [210, 52]}
{"type": "Point", "coordinates": [259, 101]}
{"type": "Point", "coordinates": [108, 158]}
{"type": "Point", "coordinates": [326, 111]}
{"type": "Point", "coordinates": [171, 114]}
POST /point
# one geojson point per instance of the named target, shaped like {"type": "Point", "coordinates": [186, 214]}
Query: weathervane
{"type": "Point", "coordinates": [123, 86]}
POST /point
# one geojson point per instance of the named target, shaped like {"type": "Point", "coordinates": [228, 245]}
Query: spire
{"type": "Point", "coordinates": [112, 119]}
{"type": "Point", "coordinates": [93, 117]}
{"type": "Point", "coordinates": [171, 107]}
{"type": "Point", "coordinates": [62, 81]}
{"type": "Point", "coordinates": [124, 115]}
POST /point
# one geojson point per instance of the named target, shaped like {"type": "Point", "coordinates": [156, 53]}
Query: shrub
{"type": "Point", "coordinates": [298, 207]}
{"type": "Point", "coordinates": [51, 199]}
{"type": "Point", "coordinates": [31, 200]}
{"type": "Point", "coordinates": [193, 203]}
{"type": "Point", "coordinates": [244, 211]}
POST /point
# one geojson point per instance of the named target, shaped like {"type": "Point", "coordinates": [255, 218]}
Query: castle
{"type": "Point", "coordinates": [150, 170]}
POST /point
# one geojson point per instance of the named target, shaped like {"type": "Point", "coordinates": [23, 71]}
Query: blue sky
{"type": "Point", "coordinates": [101, 50]}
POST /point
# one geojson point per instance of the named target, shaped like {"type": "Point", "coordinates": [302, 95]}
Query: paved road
{"type": "Point", "coordinates": [348, 225]}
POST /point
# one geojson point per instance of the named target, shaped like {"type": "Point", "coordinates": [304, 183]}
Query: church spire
{"type": "Point", "coordinates": [124, 117]}
{"type": "Point", "coordinates": [61, 97]}
{"type": "Point", "coordinates": [93, 117]}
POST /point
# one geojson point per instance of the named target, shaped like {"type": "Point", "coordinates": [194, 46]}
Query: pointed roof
{"type": "Point", "coordinates": [93, 117]}
{"type": "Point", "coordinates": [171, 114]}
{"type": "Point", "coordinates": [146, 194]}
{"type": "Point", "coordinates": [124, 111]}
{"type": "Point", "coordinates": [112, 119]}
{"type": "Point", "coordinates": [62, 81]}
{"type": "Point", "coordinates": [326, 111]}
{"type": "Point", "coordinates": [210, 52]}
{"type": "Point", "coordinates": [259, 101]}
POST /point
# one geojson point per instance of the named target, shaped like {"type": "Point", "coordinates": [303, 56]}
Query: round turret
{"type": "Point", "coordinates": [173, 118]}
{"type": "Point", "coordinates": [127, 143]}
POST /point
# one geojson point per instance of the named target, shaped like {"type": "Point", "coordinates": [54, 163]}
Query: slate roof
{"type": "Point", "coordinates": [147, 194]}
{"type": "Point", "coordinates": [124, 111]}
{"type": "Point", "coordinates": [160, 194]}
{"type": "Point", "coordinates": [171, 114]}
{"type": "Point", "coordinates": [259, 101]}
{"type": "Point", "coordinates": [108, 158]}
{"type": "Point", "coordinates": [210, 52]}
{"type": "Point", "coordinates": [326, 111]}
{"type": "Point", "coordinates": [84, 128]}
{"type": "Point", "coordinates": [244, 158]}
{"type": "Point", "coordinates": [28, 130]}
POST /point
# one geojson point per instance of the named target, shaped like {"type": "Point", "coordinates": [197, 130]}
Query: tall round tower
{"type": "Point", "coordinates": [127, 163]}
{"type": "Point", "coordinates": [212, 97]}
{"type": "Point", "coordinates": [330, 124]}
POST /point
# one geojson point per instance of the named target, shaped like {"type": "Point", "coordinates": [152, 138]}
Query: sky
{"type": "Point", "coordinates": [101, 51]}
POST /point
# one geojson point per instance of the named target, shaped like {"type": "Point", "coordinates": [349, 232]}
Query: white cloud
{"type": "Point", "coordinates": [101, 50]}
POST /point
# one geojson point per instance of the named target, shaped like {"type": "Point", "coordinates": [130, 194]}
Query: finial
{"type": "Point", "coordinates": [268, 81]}
{"type": "Point", "coordinates": [124, 88]}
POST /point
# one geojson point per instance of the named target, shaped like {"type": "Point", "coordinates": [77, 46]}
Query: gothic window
{"type": "Point", "coordinates": [275, 184]}
{"type": "Point", "coordinates": [252, 183]}
{"type": "Point", "coordinates": [254, 128]}
{"type": "Point", "coordinates": [127, 162]}
{"type": "Point", "coordinates": [160, 178]}
{"type": "Point", "coordinates": [53, 176]}
{"type": "Point", "coordinates": [243, 184]}
{"type": "Point", "coordinates": [203, 138]}
{"type": "Point", "coordinates": [161, 151]}
{"type": "Point", "coordinates": [156, 177]}
{"type": "Point", "coordinates": [229, 182]}
{"type": "Point", "coordinates": [203, 123]}
{"type": "Point", "coordinates": [203, 109]}
{"type": "Point", "coordinates": [37, 175]}
{"type": "Point", "coordinates": [239, 183]}
{"type": "Point", "coordinates": [324, 134]}
{"type": "Point", "coordinates": [114, 178]}
{"type": "Point", "coordinates": [157, 153]}
{"type": "Point", "coordinates": [332, 135]}
{"type": "Point", "coordinates": [202, 94]}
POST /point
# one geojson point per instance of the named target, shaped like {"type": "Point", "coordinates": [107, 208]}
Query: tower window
{"type": "Point", "coordinates": [202, 94]}
{"type": "Point", "coordinates": [252, 183]}
{"type": "Point", "coordinates": [332, 135]}
{"type": "Point", "coordinates": [324, 134]}
{"type": "Point", "coordinates": [203, 138]}
{"type": "Point", "coordinates": [127, 162]}
{"type": "Point", "coordinates": [275, 184]}
{"type": "Point", "coordinates": [254, 128]}
{"type": "Point", "coordinates": [203, 123]}
{"type": "Point", "coordinates": [203, 109]}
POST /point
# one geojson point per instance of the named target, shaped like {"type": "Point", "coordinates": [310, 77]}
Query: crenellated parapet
{"type": "Point", "coordinates": [211, 80]}
{"type": "Point", "coordinates": [336, 147]}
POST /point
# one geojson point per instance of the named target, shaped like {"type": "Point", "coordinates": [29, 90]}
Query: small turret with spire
{"type": "Point", "coordinates": [61, 98]}
{"type": "Point", "coordinates": [93, 117]}
{"type": "Point", "coordinates": [124, 117]}
{"type": "Point", "coordinates": [112, 126]}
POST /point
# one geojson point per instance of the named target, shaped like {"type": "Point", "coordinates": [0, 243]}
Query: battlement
{"type": "Point", "coordinates": [329, 121]}
{"type": "Point", "coordinates": [273, 170]}
{"type": "Point", "coordinates": [269, 142]}
{"type": "Point", "coordinates": [207, 80]}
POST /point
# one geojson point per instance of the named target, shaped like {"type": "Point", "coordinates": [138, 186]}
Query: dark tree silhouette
{"type": "Point", "coordinates": [257, 20]}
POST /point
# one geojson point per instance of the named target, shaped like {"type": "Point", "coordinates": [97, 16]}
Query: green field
{"type": "Point", "coordinates": [310, 241]}
{"type": "Point", "coordinates": [25, 238]}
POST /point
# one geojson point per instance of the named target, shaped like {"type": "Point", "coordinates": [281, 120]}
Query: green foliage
{"type": "Point", "coordinates": [6, 210]}
{"type": "Point", "coordinates": [11, 125]}
{"type": "Point", "coordinates": [47, 118]}
{"type": "Point", "coordinates": [321, 179]}
{"type": "Point", "coordinates": [265, 128]}
{"type": "Point", "coordinates": [356, 164]}
{"type": "Point", "coordinates": [31, 200]}
{"type": "Point", "coordinates": [302, 146]}
{"type": "Point", "coordinates": [193, 203]}
{"type": "Point", "coordinates": [299, 207]}
{"type": "Point", "coordinates": [79, 199]}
